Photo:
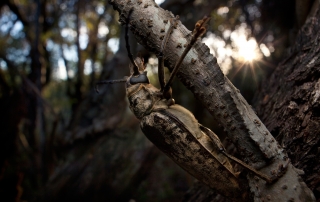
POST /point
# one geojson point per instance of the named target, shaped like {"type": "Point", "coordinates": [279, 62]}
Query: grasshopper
{"type": "Point", "coordinates": [174, 129]}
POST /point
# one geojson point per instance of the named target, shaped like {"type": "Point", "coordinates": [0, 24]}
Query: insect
{"type": "Point", "coordinates": [174, 129]}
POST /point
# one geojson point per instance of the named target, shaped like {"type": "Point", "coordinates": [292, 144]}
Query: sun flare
{"type": "Point", "coordinates": [243, 48]}
{"type": "Point", "coordinates": [248, 50]}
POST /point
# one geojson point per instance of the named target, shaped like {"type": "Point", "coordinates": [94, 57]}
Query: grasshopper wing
{"type": "Point", "coordinates": [176, 132]}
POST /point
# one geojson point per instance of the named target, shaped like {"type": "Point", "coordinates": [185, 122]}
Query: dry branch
{"type": "Point", "coordinates": [201, 74]}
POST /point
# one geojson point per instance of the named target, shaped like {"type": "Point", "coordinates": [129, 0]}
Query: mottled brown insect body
{"type": "Point", "coordinates": [190, 153]}
{"type": "Point", "coordinates": [176, 132]}
{"type": "Point", "coordinates": [174, 129]}
{"type": "Point", "coordinates": [142, 98]}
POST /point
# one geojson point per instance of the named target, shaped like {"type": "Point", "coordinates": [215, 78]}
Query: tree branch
{"type": "Point", "coordinates": [201, 74]}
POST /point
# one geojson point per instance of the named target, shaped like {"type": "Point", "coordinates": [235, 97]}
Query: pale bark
{"type": "Point", "coordinates": [226, 104]}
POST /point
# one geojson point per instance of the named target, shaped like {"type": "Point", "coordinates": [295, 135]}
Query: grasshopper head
{"type": "Point", "coordinates": [141, 94]}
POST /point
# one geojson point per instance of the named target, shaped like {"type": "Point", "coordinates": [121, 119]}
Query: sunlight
{"type": "Point", "coordinates": [113, 44]}
{"type": "Point", "coordinates": [222, 10]}
{"type": "Point", "coordinates": [247, 50]}
{"type": "Point", "coordinates": [87, 67]}
{"type": "Point", "coordinates": [3, 65]}
{"type": "Point", "coordinates": [265, 50]}
{"type": "Point", "coordinates": [159, 1]}
{"type": "Point", "coordinates": [70, 35]}
{"type": "Point", "coordinates": [60, 72]}
{"type": "Point", "coordinates": [103, 30]}
{"type": "Point", "coordinates": [83, 37]}
{"type": "Point", "coordinates": [220, 50]}
{"type": "Point", "coordinates": [243, 49]}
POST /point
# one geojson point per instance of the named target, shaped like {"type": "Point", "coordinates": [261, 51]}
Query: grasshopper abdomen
{"type": "Point", "coordinates": [191, 148]}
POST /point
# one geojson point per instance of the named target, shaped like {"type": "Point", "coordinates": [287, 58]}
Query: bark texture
{"type": "Point", "coordinates": [289, 103]}
{"type": "Point", "coordinates": [201, 74]}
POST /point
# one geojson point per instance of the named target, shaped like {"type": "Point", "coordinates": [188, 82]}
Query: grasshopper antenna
{"type": "Point", "coordinates": [173, 23]}
{"type": "Point", "coordinates": [108, 82]}
{"type": "Point", "coordinates": [198, 31]}
{"type": "Point", "coordinates": [135, 66]}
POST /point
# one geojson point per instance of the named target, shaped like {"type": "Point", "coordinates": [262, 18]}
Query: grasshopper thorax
{"type": "Point", "coordinates": [143, 97]}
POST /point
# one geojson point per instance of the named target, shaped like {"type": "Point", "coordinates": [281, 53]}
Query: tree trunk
{"type": "Point", "coordinates": [289, 103]}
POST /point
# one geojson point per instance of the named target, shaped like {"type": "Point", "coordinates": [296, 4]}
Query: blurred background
{"type": "Point", "coordinates": [60, 140]}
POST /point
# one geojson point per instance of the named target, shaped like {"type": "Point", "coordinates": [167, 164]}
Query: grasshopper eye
{"type": "Point", "coordinates": [141, 78]}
